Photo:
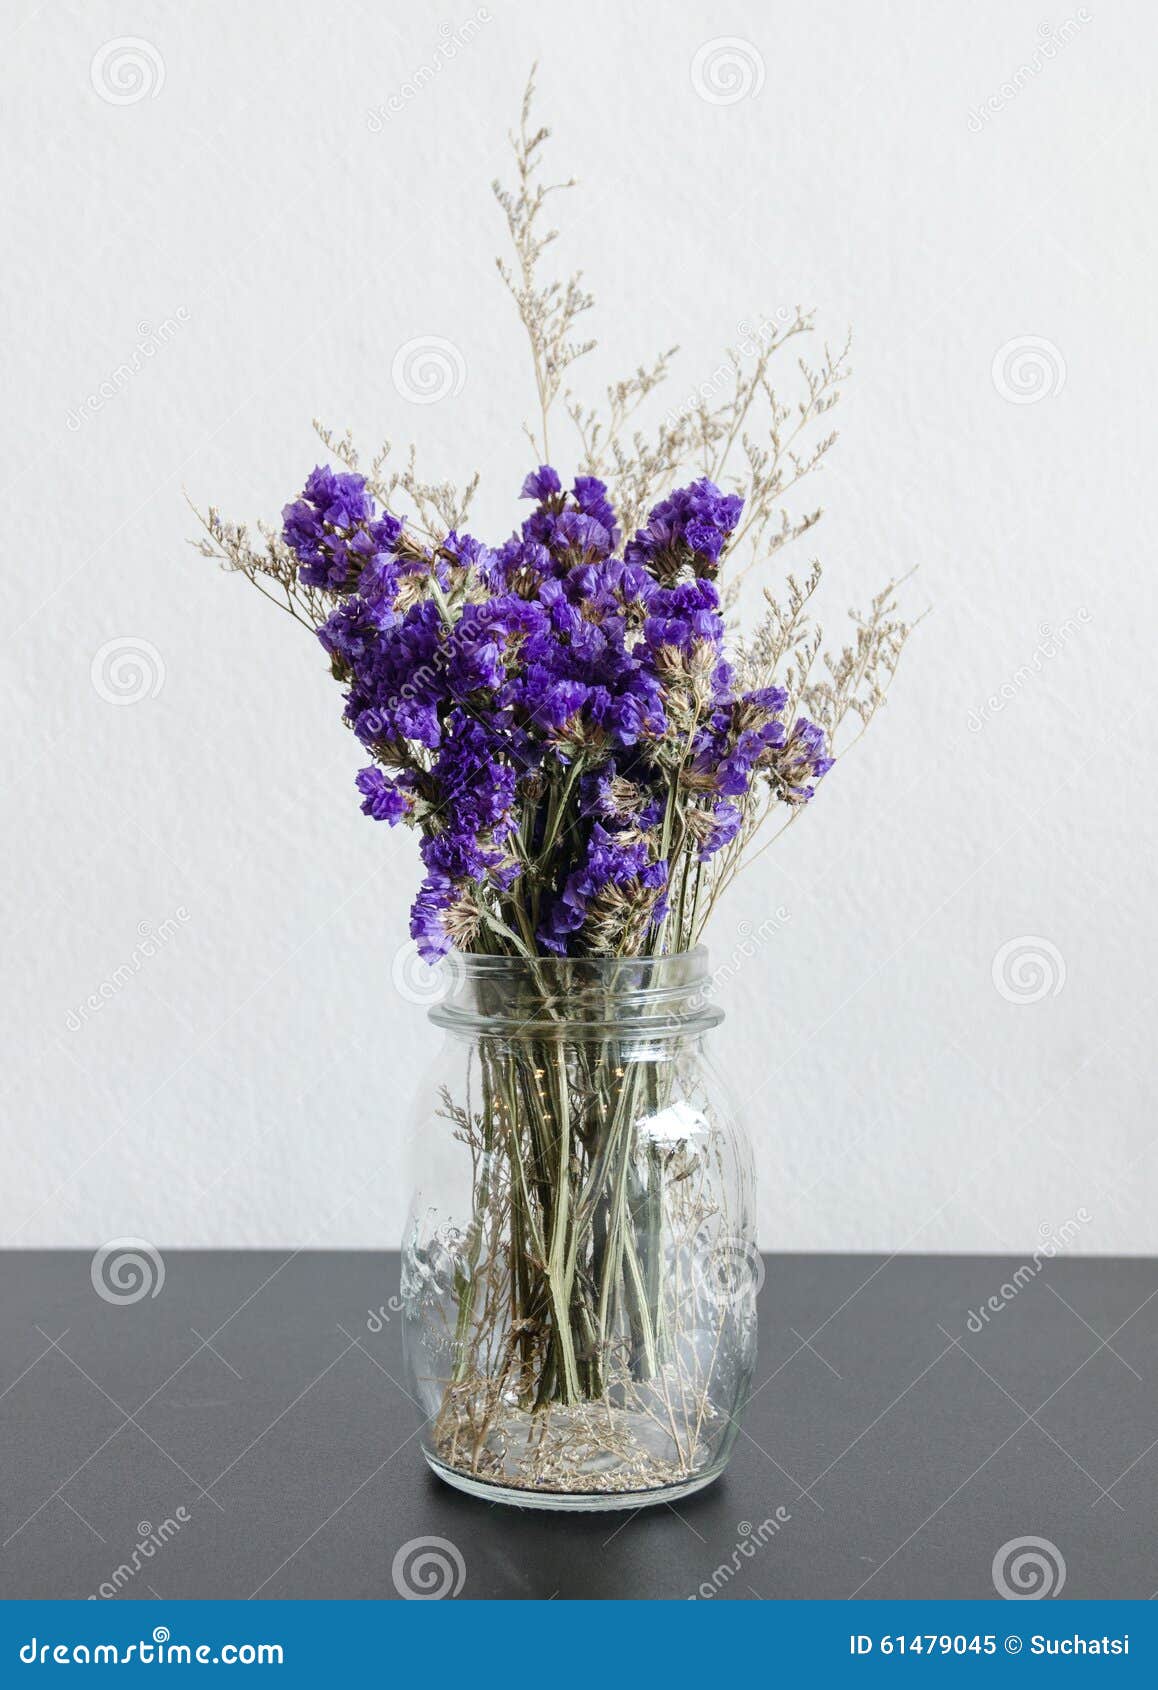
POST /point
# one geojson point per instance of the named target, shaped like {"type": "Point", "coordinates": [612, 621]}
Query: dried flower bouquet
{"type": "Point", "coordinates": [588, 748]}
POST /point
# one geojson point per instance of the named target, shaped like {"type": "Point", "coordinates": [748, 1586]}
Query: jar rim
{"type": "Point", "coordinates": [568, 996]}
{"type": "Point", "coordinates": [483, 963]}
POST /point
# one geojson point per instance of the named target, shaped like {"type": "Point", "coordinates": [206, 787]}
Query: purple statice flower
{"type": "Point", "coordinates": [687, 531]}
{"type": "Point", "coordinates": [740, 739]}
{"type": "Point", "coordinates": [379, 581]}
{"type": "Point", "coordinates": [334, 532]}
{"type": "Point", "coordinates": [588, 699]}
{"type": "Point", "coordinates": [617, 885]}
{"type": "Point", "coordinates": [630, 588]}
{"type": "Point", "coordinates": [350, 634]}
{"type": "Point", "coordinates": [757, 747]}
{"type": "Point", "coordinates": [632, 712]}
{"type": "Point", "coordinates": [542, 484]}
{"type": "Point", "coordinates": [473, 793]}
{"type": "Point", "coordinates": [725, 823]}
{"type": "Point", "coordinates": [475, 653]}
{"type": "Point", "coordinates": [802, 760]}
{"type": "Point", "coordinates": [332, 497]}
{"type": "Point", "coordinates": [475, 789]}
{"type": "Point", "coordinates": [385, 799]}
{"type": "Point", "coordinates": [560, 702]}
{"type": "Point", "coordinates": [577, 679]}
{"type": "Point", "coordinates": [584, 531]}
{"type": "Point", "coordinates": [383, 580]}
{"type": "Point", "coordinates": [458, 854]}
{"type": "Point", "coordinates": [622, 797]}
{"type": "Point", "coordinates": [463, 551]}
{"type": "Point", "coordinates": [684, 617]}
{"type": "Point", "coordinates": [590, 495]}
{"type": "Point", "coordinates": [519, 566]}
{"type": "Point", "coordinates": [436, 898]}
{"type": "Point", "coordinates": [399, 681]}
{"type": "Point", "coordinates": [757, 732]}
{"type": "Point", "coordinates": [568, 536]}
{"type": "Point", "coordinates": [600, 591]}
{"type": "Point", "coordinates": [654, 884]}
{"type": "Point", "coordinates": [486, 645]}
{"type": "Point", "coordinates": [576, 538]}
{"type": "Point", "coordinates": [770, 700]}
{"type": "Point", "coordinates": [732, 775]}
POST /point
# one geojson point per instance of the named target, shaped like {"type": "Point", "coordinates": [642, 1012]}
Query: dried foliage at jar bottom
{"type": "Point", "coordinates": [580, 1317]}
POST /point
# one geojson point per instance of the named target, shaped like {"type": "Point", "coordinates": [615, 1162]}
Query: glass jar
{"type": "Point", "coordinates": [579, 1271]}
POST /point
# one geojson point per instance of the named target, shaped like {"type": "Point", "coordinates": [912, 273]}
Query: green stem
{"type": "Point", "coordinates": [557, 1274]}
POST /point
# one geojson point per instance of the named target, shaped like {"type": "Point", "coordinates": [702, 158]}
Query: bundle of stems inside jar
{"type": "Point", "coordinates": [570, 1225]}
{"type": "Point", "coordinates": [589, 745]}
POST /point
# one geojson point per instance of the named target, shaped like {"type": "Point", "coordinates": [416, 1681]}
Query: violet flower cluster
{"type": "Point", "coordinates": [557, 717]}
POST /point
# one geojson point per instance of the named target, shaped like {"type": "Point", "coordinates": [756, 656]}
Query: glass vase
{"type": "Point", "coordinates": [579, 1269]}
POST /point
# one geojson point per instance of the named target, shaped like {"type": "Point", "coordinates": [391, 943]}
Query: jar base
{"type": "Point", "coordinates": [572, 1502]}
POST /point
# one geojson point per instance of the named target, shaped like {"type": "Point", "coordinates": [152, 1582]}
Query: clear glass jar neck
{"type": "Point", "coordinates": [573, 997]}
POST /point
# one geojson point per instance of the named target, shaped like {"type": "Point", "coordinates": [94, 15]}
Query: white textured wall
{"type": "Point", "coordinates": [246, 1085]}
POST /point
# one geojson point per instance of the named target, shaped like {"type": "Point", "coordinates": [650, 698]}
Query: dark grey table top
{"type": "Point", "coordinates": [254, 1406]}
